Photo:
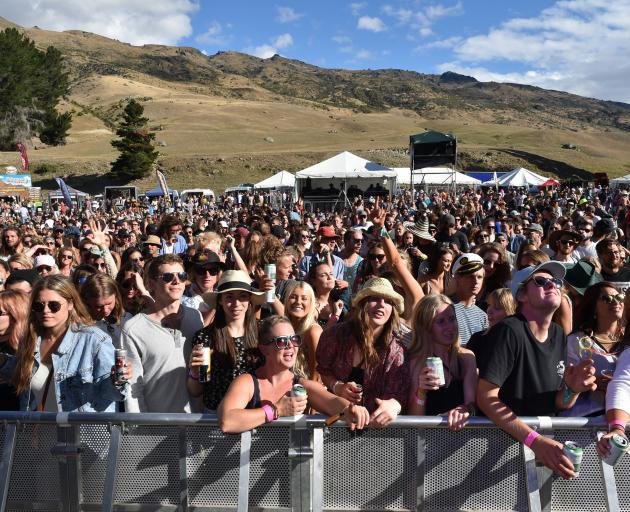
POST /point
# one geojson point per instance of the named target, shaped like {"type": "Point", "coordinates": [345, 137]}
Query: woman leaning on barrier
{"type": "Point", "coordinates": [435, 334]}
{"type": "Point", "coordinates": [362, 359]}
{"type": "Point", "coordinates": [65, 362]}
{"type": "Point", "coordinates": [268, 393]}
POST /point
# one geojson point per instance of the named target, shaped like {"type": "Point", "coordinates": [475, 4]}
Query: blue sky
{"type": "Point", "coordinates": [580, 46]}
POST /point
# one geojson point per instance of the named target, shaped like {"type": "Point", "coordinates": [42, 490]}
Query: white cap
{"type": "Point", "coordinates": [45, 259]}
{"type": "Point", "coordinates": [467, 263]}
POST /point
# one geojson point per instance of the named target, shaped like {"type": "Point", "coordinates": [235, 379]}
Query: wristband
{"type": "Point", "coordinates": [616, 423]}
{"type": "Point", "coordinates": [384, 233]}
{"type": "Point", "coordinates": [269, 413]}
{"type": "Point", "coordinates": [531, 437]}
{"type": "Point", "coordinates": [332, 389]}
{"type": "Point", "coordinates": [334, 318]}
{"type": "Point", "coordinates": [192, 375]}
{"type": "Point", "coordinates": [419, 401]}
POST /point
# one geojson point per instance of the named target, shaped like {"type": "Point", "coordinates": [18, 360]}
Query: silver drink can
{"type": "Point", "coordinates": [574, 454]}
{"type": "Point", "coordinates": [435, 363]}
{"type": "Point", "coordinates": [270, 270]}
{"type": "Point", "coordinates": [618, 446]}
{"type": "Point", "coordinates": [298, 390]}
{"type": "Point", "coordinates": [120, 357]}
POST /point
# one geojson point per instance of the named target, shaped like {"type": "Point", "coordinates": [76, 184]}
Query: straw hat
{"type": "Point", "coordinates": [379, 287]}
{"type": "Point", "coordinates": [234, 280]}
{"type": "Point", "coordinates": [420, 229]}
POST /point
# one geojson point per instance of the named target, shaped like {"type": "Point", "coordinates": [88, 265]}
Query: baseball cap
{"type": "Point", "coordinates": [556, 269]}
{"type": "Point", "coordinates": [605, 225]}
{"type": "Point", "coordinates": [45, 259]}
{"type": "Point", "coordinates": [467, 263]}
{"type": "Point", "coordinates": [535, 227]}
{"type": "Point", "coordinates": [278, 231]}
{"type": "Point", "coordinates": [223, 224]}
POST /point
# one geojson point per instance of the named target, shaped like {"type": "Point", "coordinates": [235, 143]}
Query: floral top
{"type": "Point", "coordinates": [388, 379]}
{"type": "Point", "coordinates": [223, 371]}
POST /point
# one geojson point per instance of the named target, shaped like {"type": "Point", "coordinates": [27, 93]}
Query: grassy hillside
{"type": "Point", "coordinates": [231, 118]}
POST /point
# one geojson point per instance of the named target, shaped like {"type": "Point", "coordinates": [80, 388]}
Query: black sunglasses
{"type": "Point", "coordinates": [213, 271]}
{"type": "Point", "coordinates": [379, 257]}
{"type": "Point", "coordinates": [53, 305]}
{"type": "Point", "coordinates": [541, 281]}
{"type": "Point", "coordinates": [169, 277]}
{"type": "Point", "coordinates": [282, 342]}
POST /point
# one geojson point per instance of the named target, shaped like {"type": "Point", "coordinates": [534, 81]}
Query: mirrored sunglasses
{"type": "Point", "coordinates": [169, 277]}
{"type": "Point", "coordinates": [282, 342]}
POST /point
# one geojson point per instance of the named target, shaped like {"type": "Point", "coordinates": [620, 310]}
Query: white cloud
{"type": "Point", "coordinates": [265, 51]}
{"type": "Point", "coordinates": [287, 14]}
{"type": "Point", "coordinates": [449, 42]}
{"type": "Point", "coordinates": [132, 21]}
{"type": "Point", "coordinates": [422, 20]}
{"type": "Point", "coordinates": [364, 55]}
{"type": "Point", "coordinates": [580, 46]}
{"type": "Point", "coordinates": [341, 39]}
{"type": "Point", "coordinates": [357, 7]}
{"type": "Point", "coordinates": [372, 24]}
{"type": "Point", "coordinates": [214, 36]}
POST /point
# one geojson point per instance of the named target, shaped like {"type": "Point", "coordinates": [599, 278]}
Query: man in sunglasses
{"type": "Point", "coordinates": [522, 371]}
{"type": "Point", "coordinates": [448, 234]}
{"type": "Point", "coordinates": [612, 256]}
{"type": "Point", "coordinates": [159, 344]}
{"type": "Point", "coordinates": [586, 248]}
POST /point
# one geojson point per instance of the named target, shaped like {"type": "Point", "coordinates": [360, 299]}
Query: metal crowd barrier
{"type": "Point", "coordinates": [171, 462]}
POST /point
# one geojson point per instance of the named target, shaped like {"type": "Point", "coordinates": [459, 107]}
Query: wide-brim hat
{"type": "Point", "coordinates": [380, 287]}
{"type": "Point", "coordinates": [327, 232]}
{"type": "Point", "coordinates": [582, 275]}
{"type": "Point", "coordinates": [556, 235]}
{"type": "Point", "coordinates": [153, 240]}
{"type": "Point", "coordinates": [234, 280]}
{"type": "Point", "coordinates": [420, 228]}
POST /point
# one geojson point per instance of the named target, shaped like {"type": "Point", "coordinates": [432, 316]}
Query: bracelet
{"type": "Point", "coordinates": [333, 317]}
{"type": "Point", "coordinates": [192, 375]}
{"type": "Point", "coordinates": [419, 400]}
{"type": "Point", "coordinates": [616, 423]}
{"type": "Point", "coordinates": [531, 437]}
{"type": "Point", "coordinates": [270, 414]}
{"type": "Point", "coordinates": [332, 389]}
{"type": "Point", "coordinates": [384, 233]}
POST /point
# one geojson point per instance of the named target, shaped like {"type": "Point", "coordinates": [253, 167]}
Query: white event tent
{"type": "Point", "coordinates": [278, 180]}
{"type": "Point", "coordinates": [434, 176]}
{"type": "Point", "coordinates": [622, 180]}
{"type": "Point", "coordinates": [345, 170]}
{"type": "Point", "coordinates": [518, 177]}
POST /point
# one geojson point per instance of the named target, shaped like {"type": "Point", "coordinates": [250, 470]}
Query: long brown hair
{"type": "Point", "coordinates": [99, 286]}
{"type": "Point", "coordinates": [77, 317]}
{"type": "Point", "coordinates": [368, 346]}
{"type": "Point", "coordinates": [585, 313]}
{"type": "Point", "coordinates": [15, 304]}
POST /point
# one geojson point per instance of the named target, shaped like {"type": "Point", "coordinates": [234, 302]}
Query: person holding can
{"type": "Point", "coordinates": [451, 390]}
{"type": "Point", "coordinates": [612, 445]}
{"type": "Point", "coordinates": [363, 359]}
{"type": "Point", "coordinates": [273, 390]}
{"type": "Point", "coordinates": [523, 371]}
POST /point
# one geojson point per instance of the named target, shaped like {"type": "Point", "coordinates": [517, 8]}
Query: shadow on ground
{"type": "Point", "coordinates": [561, 169]}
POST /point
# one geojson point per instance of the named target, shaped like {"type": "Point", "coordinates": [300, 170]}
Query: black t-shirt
{"type": "Point", "coordinates": [528, 372]}
{"type": "Point", "coordinates": [458, 238]}
{"type": "Point", "coordinates": [9, 400]}
{"type": "Point", "coordinates": [623, 276]}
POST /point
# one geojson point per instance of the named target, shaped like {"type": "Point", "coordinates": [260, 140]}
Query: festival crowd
{"type": "Point", "coordinates": [521, 296]}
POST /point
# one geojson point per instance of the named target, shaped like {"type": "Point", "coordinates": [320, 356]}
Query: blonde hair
{"type": "Point", "coordinates": [504, 299]}
{"type": "Point", "coordinates": [208, 238]}
{"type": "Point", "coordinates": [422, 344]}
{"type": "Point", "coordinates": [302, 326]}
{"type": "Point", "coordinates": [22, 259]}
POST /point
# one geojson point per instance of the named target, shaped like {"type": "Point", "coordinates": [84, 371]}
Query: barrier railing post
{"type": "Point", "coordinates": [421, 456]}
{"type": "Point", "coordinates": [545, 475]}
{"type": "Point", "coordinates": [300, 454]}
{"type": "Point", "coordinates": [6, 463]}
{"type": "Point", "coordinates": [531, 479]}
{"type": "Point", "coordinates": [111, 472]}
{"type": "Point", "coordinates": [243, 474]}
{"type": "Point", "coordinates": [183, 470]}
{"type": "Point", "coordinates": [610, 484]}
{"type": "Point", "coordinates": [317, 483]}
{"type": "Point", "coordinates": [68, 450]}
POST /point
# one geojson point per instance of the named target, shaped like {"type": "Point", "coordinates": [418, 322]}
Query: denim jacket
{"type": "Point", "coordinates": [82, 367]}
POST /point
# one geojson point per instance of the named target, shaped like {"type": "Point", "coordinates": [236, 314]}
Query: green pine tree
{"type": "Point", "coordinates": [137, 153]}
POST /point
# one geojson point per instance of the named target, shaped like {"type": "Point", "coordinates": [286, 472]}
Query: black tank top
{"type": "Point", "coordinates": [255, 402]}
{"type": "Point", "coordinates": [445, 398]}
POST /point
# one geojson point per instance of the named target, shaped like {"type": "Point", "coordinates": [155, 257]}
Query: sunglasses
{"type": "Point", "coordinates": [213, 271]}
{"type": "Point", "coordinates": [44, 268]}
{"type": "Point", "coordinates": [128, 283]}
{"type": "Point", "coordinates": [39, 307]}
{"type": "Point", "coordinates": [100, 265]}
{"type": "Point", "coordinates": [379, 257]}
{"type": "Point", "coordinates": [66, 257]}
{"type": "Point", "coordinates": [567, 242]}
{"type": "Point", "coordinates": [282, 342]}
{"type": "Point", "coordinates": [137, 260]}
{"type": "Point", "coordinates": [169, 277]}
{"type": "Point", "coordinates": [357, 240]}
{"type": "Point", "coordinates": [542, 282]}
{"type": "Point", "coordinates": [609, 298]}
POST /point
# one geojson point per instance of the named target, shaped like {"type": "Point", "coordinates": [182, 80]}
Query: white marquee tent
{"type": "Point", "coordinates": [518, 177]}
{"type": "Point", "coordinates": [434, 176]}
{"type": "Point", "coordinates": [622, 180]}
{"type": "Point", "coordinates": [281, 179]}
{"type": "Point", "coordinates": [344, 170]}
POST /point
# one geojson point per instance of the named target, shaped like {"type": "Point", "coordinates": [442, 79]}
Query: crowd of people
{"type": "Point", "coordinates": [255, 313]}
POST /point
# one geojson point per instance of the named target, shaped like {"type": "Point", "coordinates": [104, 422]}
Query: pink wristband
{"type": "Point", "coordinates": [268, 412]}
{"type": "Point", "coordinates": [615, 423]}
{"type": "Point", "coordinates": [531, 437]}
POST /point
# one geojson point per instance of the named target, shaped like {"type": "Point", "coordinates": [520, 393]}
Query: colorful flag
{"type": "Point", "coordinates": [65, 191]}
{"type": "Point", "coordinates": [496, 180]}
{"type": "Point", "coordinates": [23, 156]}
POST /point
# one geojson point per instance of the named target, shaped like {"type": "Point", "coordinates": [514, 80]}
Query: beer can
{"type": "Point", "coordinates": [120, 357]}
{"type": "Point", "coordinates": [270, 270]}
{"type": "Point", "coordinates": [618, 446]}
{"type": "Point", "coordinates": [204, 368]}
{"type": "Point", "coordinates": [298, 390]}
{"type": "Point", "coordinates": [435, 363]}
{"type": "Point", "coordinates": [574, 454]}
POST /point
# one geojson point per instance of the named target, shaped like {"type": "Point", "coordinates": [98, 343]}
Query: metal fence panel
{"type": "Point", "coordinates": [374, 471]}
{"type": "Point", "coordinates": [35, 473]}
{"type": "Point", "coordinates": [622, 475]}
{"type": "Point", "coordinates": [94, 446]}
{"type": "Point", "coordinates": [473, 470]}
{"type": "Point", "coordinates": [270, 477]}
